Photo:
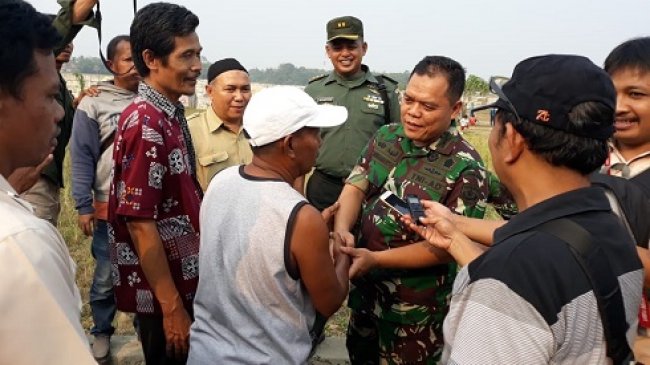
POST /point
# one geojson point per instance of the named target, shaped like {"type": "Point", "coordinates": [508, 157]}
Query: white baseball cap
{"type": "Point", "coordinates": [278, 111]}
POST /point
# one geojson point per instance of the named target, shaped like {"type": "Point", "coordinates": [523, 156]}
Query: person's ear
{"type": "Point", "coordinates": [328, 51]}
{"type": "Point", "coordinates": [287, 146]}
{"type": "Point", "coordinates": [150, 60]}
{"type": "Point", "coordinates": [110, 65]}
{"type": "Point", "coordinates": [455, 110]}
{"type": "Point", "coordinates": [515, 144]}
{"type": "Point", "coordinates": [290, 146]}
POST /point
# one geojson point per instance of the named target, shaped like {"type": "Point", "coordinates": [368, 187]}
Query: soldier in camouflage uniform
{"type": "Point", "coordinates": [371, 101]}
{"type": "Point", "coordinates": [397, 314]}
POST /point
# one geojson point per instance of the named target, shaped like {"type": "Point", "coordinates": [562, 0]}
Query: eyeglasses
{"type": "Point", "coordinates": [495, 87]}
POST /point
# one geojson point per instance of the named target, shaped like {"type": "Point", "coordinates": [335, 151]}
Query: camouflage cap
{"type": "Point", "coordinates": [347, 27]}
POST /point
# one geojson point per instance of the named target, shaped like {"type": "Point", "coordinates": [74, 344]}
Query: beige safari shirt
{"type": "Point", "coordinates": [216, 146]}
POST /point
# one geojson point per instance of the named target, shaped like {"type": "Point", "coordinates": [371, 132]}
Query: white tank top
{"type": "Point", "coordinates": [248, 308]}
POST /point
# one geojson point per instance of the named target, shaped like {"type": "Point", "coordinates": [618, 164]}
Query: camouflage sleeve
{"type": "Point", "coordinates": [63, 24]}
{"type": "Point", "coordinates": [500, 197]}
{"type": "Point", "coordinates": [468, 195]}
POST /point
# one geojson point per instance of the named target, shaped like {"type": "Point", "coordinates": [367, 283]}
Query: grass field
{"type": "Point", "coordinates": [79, 246]}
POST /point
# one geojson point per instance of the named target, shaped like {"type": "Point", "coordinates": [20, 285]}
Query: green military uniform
{"type": "Point", "coordinates": [398, 314]}
{"type": "Point", "coordinates": [500, 197]}
{"type": "Point", "coordinates": [371, 101]}
{"type": "Point", "coordinates": [342, 145]}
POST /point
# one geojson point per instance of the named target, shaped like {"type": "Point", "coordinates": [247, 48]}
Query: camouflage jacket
{"type": "Point", "coordinates": [449, 171]}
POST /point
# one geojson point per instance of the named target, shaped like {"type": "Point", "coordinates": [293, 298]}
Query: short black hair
{"type": "Point", "coordinates": [563, 148]}
{"type": "Point", "coordinates": [23, 30]}
{"type": "Point", "coordinates": [154, 28]}
{"type": "Point", "coordinates": [111, 49]}
{"type": "Point", "coordinates": [634, 54]}
{"type": "Point", "coordinates": [440, 65]}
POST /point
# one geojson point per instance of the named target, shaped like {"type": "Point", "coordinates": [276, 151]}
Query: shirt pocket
{"type": "Point", "coordinates": [374, 112]}
{"type": "Point", "coordinates": [213, 158]}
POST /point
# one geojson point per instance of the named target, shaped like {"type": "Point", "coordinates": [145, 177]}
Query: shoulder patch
{"type": "Point", "coordinates": [316, 78]}
{"type": "Point", "coordinates": [386, 78]}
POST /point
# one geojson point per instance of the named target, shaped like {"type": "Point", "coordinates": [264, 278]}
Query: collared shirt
{"type": "Point", "coordinates": [529, 294]}
{"type": "Point", "coordinates": [40, 301]}
{"type": "Point", "coordinates": [449, 171]}
{"type": "Point", "coordinates": [342, 145]}
{"type": "Point", "coordinates": [217, 147]}
{"type": "Point", "coordinates": [152, 180]}
{"type": "Point", "coordinates": [617, 165]}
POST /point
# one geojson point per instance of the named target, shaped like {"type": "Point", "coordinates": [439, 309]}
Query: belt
{"type": "Point", "coordinates": [331, 178]}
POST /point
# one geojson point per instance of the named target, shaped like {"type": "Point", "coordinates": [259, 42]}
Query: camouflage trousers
{"type": "Point", "coordinates": [373, 341]}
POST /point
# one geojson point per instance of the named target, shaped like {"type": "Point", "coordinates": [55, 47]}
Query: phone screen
{"type": "Point", "coordinates": [397, 203]}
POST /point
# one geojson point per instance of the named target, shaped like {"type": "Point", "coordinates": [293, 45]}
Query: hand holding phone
{"type": "Point", "coordinates": [415, 208]}
{"type": "Point", "coordinates": [411, 206]}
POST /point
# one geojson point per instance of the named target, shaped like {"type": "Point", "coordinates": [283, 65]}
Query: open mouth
{"type": "Point", "coordinates": [411, 125]}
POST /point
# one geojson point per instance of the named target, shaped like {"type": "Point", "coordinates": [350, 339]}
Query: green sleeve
{"type": "Point", "coordinates": [63, 24]}
{"type": "Point", "coordinates": [469, 193]}
{"type": "Point", "coordinates": [395, 114]}
{"type": "Point", "coordinates": [500, 197]}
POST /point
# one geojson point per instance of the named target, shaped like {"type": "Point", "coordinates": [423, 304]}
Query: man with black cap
{"type": "Point", "coordinates": [538, 295]}
{"type": "Point", "coordinates": [216, 132]}
{"type": "Point", "coordinates": [371, 101]}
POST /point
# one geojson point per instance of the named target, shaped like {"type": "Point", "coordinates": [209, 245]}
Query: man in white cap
{"type": "Point", "coordinates": [266, 267]}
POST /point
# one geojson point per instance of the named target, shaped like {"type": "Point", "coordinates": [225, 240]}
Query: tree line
{"type": "Point", "coordinates": [284, 74]}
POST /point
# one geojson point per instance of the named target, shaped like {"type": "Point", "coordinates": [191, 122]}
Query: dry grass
{"type": "Point", "coordinates": [79, 246]}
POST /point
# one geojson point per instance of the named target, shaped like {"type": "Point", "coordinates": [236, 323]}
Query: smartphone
{"type": "Point", "coordinates": [415, 208]}
{"type": "Point", "coordinates": [395, 202]}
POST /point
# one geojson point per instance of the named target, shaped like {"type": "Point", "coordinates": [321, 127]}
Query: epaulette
{"type": "Point", "coordinates": [315, 78]}
{"type": "Point", "coordinates": [389, 79]}
{"type": "Point", "coordinates": [193, 115]}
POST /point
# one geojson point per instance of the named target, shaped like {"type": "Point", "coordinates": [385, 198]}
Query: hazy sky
{"type": "Point", "coordinates": [487, 37]}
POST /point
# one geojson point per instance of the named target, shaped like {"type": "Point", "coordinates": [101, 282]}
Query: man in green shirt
{"type": "Point", "coordinates": [371, 101]}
